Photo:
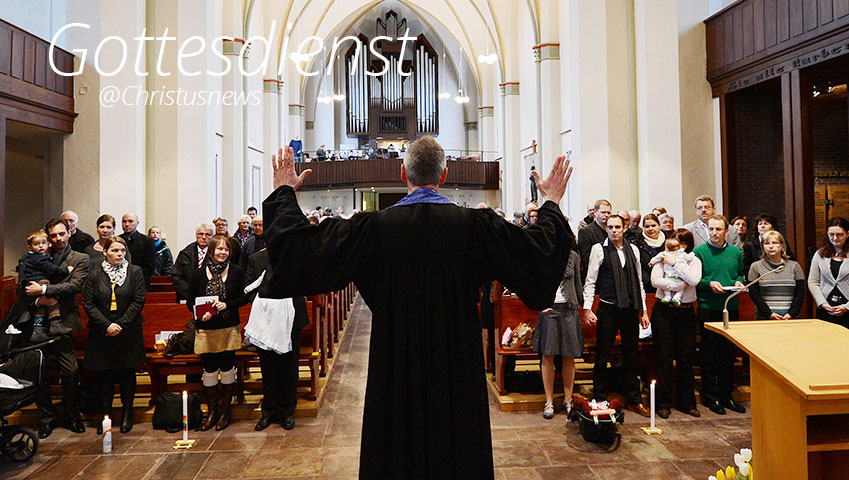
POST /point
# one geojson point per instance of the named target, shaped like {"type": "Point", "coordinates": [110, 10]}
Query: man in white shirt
{"type": "Point", "coordinates": [614, 272]}
{"type": "Point", "coordinates": [704, 210]}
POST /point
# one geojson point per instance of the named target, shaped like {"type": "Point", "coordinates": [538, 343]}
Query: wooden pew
{"type": "Point", "coordinates": [510, 311]}
{"type": "Point", "coordinates": [161, 284]}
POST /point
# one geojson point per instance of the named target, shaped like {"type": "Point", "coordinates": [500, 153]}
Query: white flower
{"type": "Point", "coordinates": [738, 460]}
{"type": "Point", "coordinates": [711, 477]}
{"type": "Point", "coordinates": [744, 469]}
{"type": "Point", "coordinates": [747, 454]}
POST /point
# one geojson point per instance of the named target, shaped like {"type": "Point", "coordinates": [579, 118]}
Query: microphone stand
{"type": "Point", "coordinates": [725, 307]}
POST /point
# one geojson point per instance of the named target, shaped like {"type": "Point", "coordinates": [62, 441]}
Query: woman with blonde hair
{"type": "Point", "coordinates": [780, 295]}
{"type": "Point", "coordinates": [218, 337]}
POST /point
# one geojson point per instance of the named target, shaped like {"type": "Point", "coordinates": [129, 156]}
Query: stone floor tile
{"type": "Point", "coordinates": [247, 441]}
{"type": "Point", "coordinates": [225, 465]}
{"type": "Point", "coordinates": [639, 471]}
{"type": "Point", "coordinates": [61, 468]}
{"type": "Point", "coordinates": [697, 469]}
{"type": "Point", "coordinates": [179, 466]}
{"type": "Point", "coordinates": [125, 467]}
{"type": "Point", "coordinates": [285, 462]}
{"type": "Point", "coordinates": [518, 453]}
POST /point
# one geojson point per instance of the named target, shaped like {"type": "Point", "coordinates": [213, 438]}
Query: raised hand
{"type": "Point", "coordinates": [283, 167]}
{"type": "Point", "coordinates": [554, 186]}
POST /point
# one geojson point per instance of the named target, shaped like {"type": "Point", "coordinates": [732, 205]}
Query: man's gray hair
{"type": "Point", "coordinates": [424, 162]}
{"type": "Point", "coordinates": [207, 226]}
{"type": "Point", "coordinates": [704, 198]}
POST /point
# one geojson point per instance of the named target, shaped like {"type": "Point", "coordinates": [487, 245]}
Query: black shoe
{"type": "Point", "coordinates": [716, 408]}
{"type": "Point", "coordinates": [127, 420]}
{"type": "Point", "coordinates": [76, 426]}
{"type": "Point", "coordinates": [663, 413]}
{"type": "Point", "coordinates": [289, 422]}
{"type": "Point", "coordinates": [45, 429]}
{"type": "Point", "coordinates": [734, 406]}
{"type": "Point", "coordinates": [262, 424]}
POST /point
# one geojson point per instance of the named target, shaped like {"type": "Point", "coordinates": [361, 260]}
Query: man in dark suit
{"type": "Point", "coordinates": [190, 259]}
{"type": "Point", "coordinates": [593, 233]}
{"type": "Point", "coordinates": [279, 370]}
{"type": "Point", "coordinates": [65, 293]}
{"type": "Point", "coordinates": [254, 244]}
{"type": "Point", "coordinates": [79, 240]}
{"type": "Point", "coordinates": [139, 246]}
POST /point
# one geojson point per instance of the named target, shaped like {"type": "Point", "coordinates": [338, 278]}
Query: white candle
{"type": "Point", "coordinates": [107, 434]}
{"type": "Point", "coordinates": [186, 415]}
{"type": "Point", "coordinates": [651, 390]}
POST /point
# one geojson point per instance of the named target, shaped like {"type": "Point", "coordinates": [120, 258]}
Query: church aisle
{"type": "Point", "coordinates": [526, 446]}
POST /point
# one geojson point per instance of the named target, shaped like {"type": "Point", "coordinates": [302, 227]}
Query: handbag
{"type": "Point", "coordinates": [182, 343]}
{"type": "Point", "coordinates": [523, 336]}
{"type": "Point", "coordinates": [168, 412]}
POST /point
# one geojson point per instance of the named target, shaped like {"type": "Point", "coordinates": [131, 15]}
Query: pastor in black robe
{"type": "Point", "coordinates": [419, 266]}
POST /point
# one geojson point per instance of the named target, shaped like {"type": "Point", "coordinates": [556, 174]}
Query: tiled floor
{"type": "Point", "coordinates": [526, 446]}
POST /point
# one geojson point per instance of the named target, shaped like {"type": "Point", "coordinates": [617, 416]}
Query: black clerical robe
{"type": "Point", "coordinates": [419, 267]}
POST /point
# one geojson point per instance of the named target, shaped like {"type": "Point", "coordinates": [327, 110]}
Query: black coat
{"type": "Point", "coordinates": [184, 267]}
{"type": "Point", "coordinates": [234, 298]}
{"type": "Point", "coordinates": [646, 254]}
{"type": "Point", "coordinates": [125, 350]}
{"type": "Point", "coordinates": [257, 263]}
{"type": "Point", "coordinates": [143, 254]}
{"type": "Point", "coordinates": [164, 264]}
{"type": "Point", "coordinates": [419, 268]}
{"type": "Point", "coordinates": [587, 237]}
{"type": "Point", "coordinates": [80, 240]}
{"type": "Point", "coordinates": [252, 245]}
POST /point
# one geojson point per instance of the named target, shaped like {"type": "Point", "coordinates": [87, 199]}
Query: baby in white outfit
{"type": "Point", "coordinates": [669, 272]}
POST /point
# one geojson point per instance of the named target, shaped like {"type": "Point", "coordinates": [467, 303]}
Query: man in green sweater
{"type": "Point", "coordinates": [722, 266]}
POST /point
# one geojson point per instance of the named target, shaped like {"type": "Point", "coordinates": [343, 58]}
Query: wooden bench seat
{"type": "Point", "coordinates": [509, 311]}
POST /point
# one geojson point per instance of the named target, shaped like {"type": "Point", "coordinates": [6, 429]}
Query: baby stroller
{"type": "Point", "coordinates": [598, 422]}
{"type": "Point", "coordinates": [21, 370]}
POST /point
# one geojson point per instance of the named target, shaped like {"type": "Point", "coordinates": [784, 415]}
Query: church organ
{"type": "Point", "coordinates": [391, 104]}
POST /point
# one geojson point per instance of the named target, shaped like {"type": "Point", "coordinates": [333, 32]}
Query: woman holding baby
{"type": "Point", "coordinates": [674, 325]}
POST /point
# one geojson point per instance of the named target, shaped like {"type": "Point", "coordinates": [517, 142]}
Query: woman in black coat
{"type": "Point", "coordinates": [113, 297]}
{"type": "Point", "coordinates": [218, 337]}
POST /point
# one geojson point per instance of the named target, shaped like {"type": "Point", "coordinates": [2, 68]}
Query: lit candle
{"type": "Point", "coordinates": [107, 434]}
{"type": "Point", "coordinates": [186, 414]}
{"type": "Point", "coordinates": [651, 390]}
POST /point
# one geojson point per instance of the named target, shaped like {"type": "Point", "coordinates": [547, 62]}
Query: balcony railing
{"type": "Point", "coordinates": [387, 173]}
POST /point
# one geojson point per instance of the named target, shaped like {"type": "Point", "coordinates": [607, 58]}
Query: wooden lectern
{"type": "Point", "coordinates": [800, 396]}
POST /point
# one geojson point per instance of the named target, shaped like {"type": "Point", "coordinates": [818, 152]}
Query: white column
{"type": "Point", "coordinates": [233, 159]}
{"type": "Point", "coordinates": [271, 129]}
{"type": "Point", "coordinates": [658, 105]}
{"type": "Point", "coordinates": [511, 182]}
{"type": "Point", "coordinates": [181, 140]}
{"type": "Point", "coordinates": [603, 105]}
{"type": "Point", "coordinates": [548, 57]}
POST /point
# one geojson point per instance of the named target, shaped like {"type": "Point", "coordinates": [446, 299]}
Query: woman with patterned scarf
{"type": "Point", "coordinates": [218, 337]}
{"type": "Point", "coordinates": [113, 297]}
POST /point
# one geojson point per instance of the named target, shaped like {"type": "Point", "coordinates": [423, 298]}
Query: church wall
{"type": "Point", "coordinates": [699, 157]}
{"type": "Point", "coordinates": [25, 212]}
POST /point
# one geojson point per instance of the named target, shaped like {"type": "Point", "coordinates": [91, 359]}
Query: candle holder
{"type": "Point", "coordinates": [653, 428]}
{"type": "Point", "coordinates": [185, 443]}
